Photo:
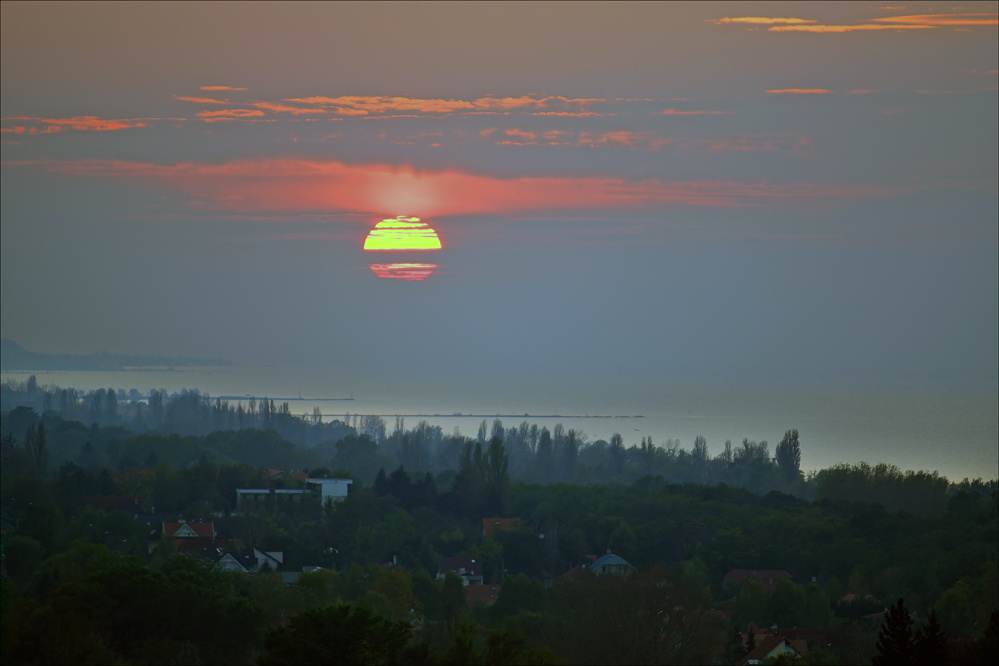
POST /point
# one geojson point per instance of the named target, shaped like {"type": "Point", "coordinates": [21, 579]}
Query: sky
{"type": "Point", "coordinates": [623, 192]}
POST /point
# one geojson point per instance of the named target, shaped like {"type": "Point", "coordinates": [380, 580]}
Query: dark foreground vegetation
{"type": "Point", "coordinates": [723, 555]}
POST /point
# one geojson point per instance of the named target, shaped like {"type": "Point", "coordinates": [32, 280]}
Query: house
{"type": "Point", "coordinates": [328, 490]}
{"type": "Point", "coordinates": [797, 639]}
{"type": "Point", "coordinates": [610, 564]}
{"type": "Point", "coordinates": [767, 577]}
{"type": "Point", "coordinates": [272, 558]}
{"type": "Point", "coordinates": [187, 537]}
{"type": "Point", "coordinates": [484, 594]}
{"type": "Point", "coordinates": [492, 526]}
{"type": "Point", "coordinates": [767, 649]}
{"type": "Point", "coordinates": [229, 563]}
{"type": "Point", "coordinates": [468, 568]}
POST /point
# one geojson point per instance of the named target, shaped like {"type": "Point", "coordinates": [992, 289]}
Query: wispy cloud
{"type": "Point", "coordinates": [35, 125]}
{"type": "Point", "coordinates": [678, 112]}
{"type": "Point", "coordinates": [800, 91]}
{"type": "Point", "coordinates": [892, 23]}
{"type": "Point", "coordinates": [760, 20]}
{"type": "Point", "coordinates": [861, 27]}
{"type": "Point", "coordinates": [201, 100]}
{"type": "Point", "coordinates": [231, 114]}
{"type": "Point", "coordinates": [366, 105]}
{"type": "Point", "coordinates": [297, 185]}
{"type": "Point", "coordinates": [292, 110]}
{"type": "Point", "coordinates": [944, 19]}
{"type": "Point", "coordinates": [220, 88]}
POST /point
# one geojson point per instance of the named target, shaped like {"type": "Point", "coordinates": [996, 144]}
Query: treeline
{"type": "Point", "coordinates": [186, 427]}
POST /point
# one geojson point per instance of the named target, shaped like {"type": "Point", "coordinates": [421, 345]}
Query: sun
{"type": "Point", "coordinates": [402, 233]}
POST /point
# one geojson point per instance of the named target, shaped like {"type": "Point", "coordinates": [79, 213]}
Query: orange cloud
{"type": "Point", "coordinates": [300, 185]}
{"type": "Point", "coordinates": [76, 123]}
{"type": "Point", "coordinates": [927, 20]}
{"type": "Point", "coordinates": [845, 28]}
{"type": "Point", "coordinates": [284, 108]}
{"type": "Point", "coordinates": [761, 20]}
{"type": "Point", "coordinates": [201, 100]}
{"type": "Point", "coordinates": [230, 114]}
{"type": "Point", "coordinates": [800, 91]}
{"type": "Point", "coordinates": [220, 88]}
{"type": "Point", "coordinates": [364, 105]}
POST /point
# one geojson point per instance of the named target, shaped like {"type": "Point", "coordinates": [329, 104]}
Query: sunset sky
{"type": "Point", "coordinates": [772, 192]}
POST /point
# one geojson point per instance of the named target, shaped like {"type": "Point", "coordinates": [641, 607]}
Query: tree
{"type": "Point", "coordinates": [895, 644]}
{"type": "Point", "coordinates": [496, 477]}
{"type": "Point", "coordinates": [34, 443]}
{"type": "Point", "coordinates": [931, 642]}
{"type": "Point", "coordinates": [788, 455]}
{"type": "Point", "coordinates": [342, 634]}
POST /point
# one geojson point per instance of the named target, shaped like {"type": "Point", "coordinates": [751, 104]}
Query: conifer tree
{"type": "Point", "coordinates": [895, 644]}
{"type": "Point", "coordinates": [931, 643]}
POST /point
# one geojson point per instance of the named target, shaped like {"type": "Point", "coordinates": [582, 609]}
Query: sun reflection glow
{"type": "Point", "coordinates": [403, 271]}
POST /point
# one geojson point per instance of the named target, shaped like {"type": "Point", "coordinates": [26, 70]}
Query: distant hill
{"type": "Point", "coordinates": [14, 357]}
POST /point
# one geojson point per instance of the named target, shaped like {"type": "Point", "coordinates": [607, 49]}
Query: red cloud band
{"type": "Point", "coordinates": [295, 185]}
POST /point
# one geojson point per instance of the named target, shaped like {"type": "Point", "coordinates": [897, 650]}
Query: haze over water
{"type": "Point", "coordinates": [946, 430]}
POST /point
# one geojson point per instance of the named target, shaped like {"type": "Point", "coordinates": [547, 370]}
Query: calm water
{"type": "Point", "coordinates": [953, 432]}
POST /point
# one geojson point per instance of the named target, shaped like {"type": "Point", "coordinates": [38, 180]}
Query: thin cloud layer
{"type": "Point", "coordinates": [76, 123]}
{"type": "Point", "coordinates": [369, 105]}
{"type": "Point", "coordinates": [296, 185]}
{"type": "Point", "coordinates": [890, 23]}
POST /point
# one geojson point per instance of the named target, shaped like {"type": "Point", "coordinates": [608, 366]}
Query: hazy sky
{"type": "Point", "coordinates": [746, 191]}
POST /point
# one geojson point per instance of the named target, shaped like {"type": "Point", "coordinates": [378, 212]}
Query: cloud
{"type": "Point", "coordinates": [284, 108]}
{"type": "Point", "coordinates": [846, 28]}
{"type": "Point", "coordinates": [230, 114]}
{"type": "Point", "coordinates": [76, 123]}
{"type": "Point", "coordinates": [944, 19]}
{"type": "Point", "coordinates": [800, 91]}
{"type": "Point", "coordinates": [910, 22]}
{"type": "Point", "coordinates": [863, 91]}
{"type": "Point", "coordinates": [201, 100]}
{"type": "Point", "coordinates": [294, 185]}
{"type": "Point", "coordinates": [677, 112]}
{"type": "Point", "coordinates": [368, 105]}
{"type": "Point", "coordinates": [639, 140]}
{"type": "Point", "coordinates": [760, 20]}
{"type": "Point", "coordinates": [220, 88]}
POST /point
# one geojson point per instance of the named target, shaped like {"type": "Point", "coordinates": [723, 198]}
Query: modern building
{"type": "Point", "coordinates": [328, 490]}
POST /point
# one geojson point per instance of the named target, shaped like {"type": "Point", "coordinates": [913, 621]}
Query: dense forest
{"type": "Point", "coordinates": [859, 562]}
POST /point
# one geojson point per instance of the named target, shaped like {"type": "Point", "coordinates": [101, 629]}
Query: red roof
{"type": "Point", "coordinates": [763, 648]}
{"type": "Point", "coordinates": [491, 526]}
{"type": "Point", "coordinates": [200, 529]}
{"type": "Point", "coordinates": [767, 577]}
{"type": "Point", "coordinates": [486, 594]}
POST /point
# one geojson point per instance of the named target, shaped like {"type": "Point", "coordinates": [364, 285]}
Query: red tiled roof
{"type": "Point", "coordinates": [762, 649]}
{"type": "Point", "coordinates": [486, 594]}
{"type": "Point", "coordinates": [491, 526]}
{"type": "Point", "coordinates": [202, 529]}
{"type": "Point", "coordinates": [767, 577]}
